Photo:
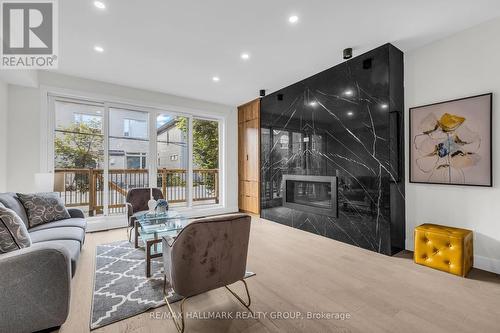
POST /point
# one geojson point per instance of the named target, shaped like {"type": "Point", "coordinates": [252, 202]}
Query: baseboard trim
{"type": "Point", "coordinates": [487, 264]}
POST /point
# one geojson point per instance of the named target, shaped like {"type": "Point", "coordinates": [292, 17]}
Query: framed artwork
{"type": "Point", "coordinates": [450, 142]}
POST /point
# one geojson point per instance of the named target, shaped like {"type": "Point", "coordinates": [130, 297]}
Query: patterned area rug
{"type": "Point", "coordinates": [121, 289]}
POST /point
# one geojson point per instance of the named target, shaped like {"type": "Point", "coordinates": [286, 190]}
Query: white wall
{"type": "Point", "coordinates": [3, 136]}
{"type": "Point", "coordinates": [23, 138]}
{"type": "Point", "coordinates": [462, 65]}
{"type": "Point", "coordinates": [24, 129]}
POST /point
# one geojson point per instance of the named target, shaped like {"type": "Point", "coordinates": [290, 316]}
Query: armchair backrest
{"type": "Point", "coordinates": [139, 197]}
{"type": "Point", "coordinates": [209, 253]}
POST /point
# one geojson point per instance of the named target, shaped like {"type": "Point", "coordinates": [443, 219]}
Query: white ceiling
{"type": "Point", "coordinates": [178, 46]}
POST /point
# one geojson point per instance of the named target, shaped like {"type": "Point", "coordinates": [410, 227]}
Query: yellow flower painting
{"type": "Point", "coordinates": [451, 142]}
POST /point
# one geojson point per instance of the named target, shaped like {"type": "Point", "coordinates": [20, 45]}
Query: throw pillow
{"type": "Point", "coordinates": [13, 232]}
{"type": "Point", "coordinates": [43, 208]}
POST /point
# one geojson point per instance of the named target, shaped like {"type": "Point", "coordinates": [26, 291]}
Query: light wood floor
{"type": "Point", "coordinates": [299, 271]}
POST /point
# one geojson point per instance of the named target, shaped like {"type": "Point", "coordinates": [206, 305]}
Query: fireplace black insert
{"type": "Point", "coordinates": [314, 194]}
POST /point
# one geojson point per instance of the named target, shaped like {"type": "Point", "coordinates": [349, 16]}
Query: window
{"type": "Point", "coordinates": [205, 162]}
{"type": "Point", "coordinates": [79, 155]}
{"type": "Point", "coordinates": [172, 149]}
{"type": "Point", "coordinates": [136, 161]}
{"type": "Point", "coordinates": [135, 128]}
{"type": "Point", "coordinates": [93, 121]}
{"type": "Point", "coordinates": [102, 150]}
{"type": "Point", "coordinates": [133, 149]}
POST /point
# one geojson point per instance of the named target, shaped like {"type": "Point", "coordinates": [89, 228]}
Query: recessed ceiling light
{"type": "Point", "coordinates": [216, 79]}
{"type": "Point", "coordinates": [350, 113]}
{"type": "Point", "coordinates": [293, 19]}
{"type": "Point", "coordinates": [98, 48]}
{"type": "Point", "coordinates": [348, 92]}
{"type": "Point", "coordinates": [99, 5]}
{"type": "Point", "coordinates": [245, 56]}
{"type": "Point", "coordinates": [384, 106]}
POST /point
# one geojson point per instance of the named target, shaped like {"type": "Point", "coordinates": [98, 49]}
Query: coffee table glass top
{"type": "Point", "coordinates": [155, 225]}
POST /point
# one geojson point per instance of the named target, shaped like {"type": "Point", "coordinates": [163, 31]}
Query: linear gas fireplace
{"type": "Point", "coordinates": [313, 194]}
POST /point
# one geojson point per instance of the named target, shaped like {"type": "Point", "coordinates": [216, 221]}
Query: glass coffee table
{"type": "Point", "coordinates": [151, 227]}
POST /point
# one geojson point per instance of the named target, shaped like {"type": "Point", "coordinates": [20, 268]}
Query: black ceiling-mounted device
{"type": "Point", "coordinates": [347, 53]}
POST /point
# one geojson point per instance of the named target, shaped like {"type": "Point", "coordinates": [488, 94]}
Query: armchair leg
{"type": "Point", "coordinates": [179, 323]}
{"type": "Point", "coordinates": [245, 304]}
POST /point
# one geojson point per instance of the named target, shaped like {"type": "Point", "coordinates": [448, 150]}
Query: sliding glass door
{"type": "Point", "coordinates": [128, 155]}
{"type": "Point", "coordinates": [79, 155]}
{"type": "Point", "coordinates": [102, 150]}
{"type": "Point", "coordinates": [205, 162]}
{"type": "Point", "coordinates": [172, 151]}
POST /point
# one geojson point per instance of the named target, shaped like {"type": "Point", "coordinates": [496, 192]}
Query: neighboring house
{"type": "Point", "coordinates": [129, 137]}
{"type": "Point", "coordinates": [172, 146]}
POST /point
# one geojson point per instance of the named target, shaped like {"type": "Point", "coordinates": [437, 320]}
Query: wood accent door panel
{"type": "Point", "coordinates": [249, 156]}
{"type": "Point", "coordinates": [249, 189]}
{"type": "Point", "coordinates": [242, 152]}
{"type": "Point", "coordinates": [252, 150]}
{"type": "Point", "coordinates": [249, 204]}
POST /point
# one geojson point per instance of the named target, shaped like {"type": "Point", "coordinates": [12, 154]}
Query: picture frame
{"type": "Point", "coordinates": [450, 142]}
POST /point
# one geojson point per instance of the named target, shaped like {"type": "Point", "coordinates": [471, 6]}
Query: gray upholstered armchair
{"type": "Point", "coordinates": [137, 201]}
{"type": "Point", "coordinates": [207, 254]}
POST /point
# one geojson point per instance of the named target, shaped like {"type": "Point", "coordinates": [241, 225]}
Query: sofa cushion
{"type": "Point", "coordinates": [13, 232]}
{"type": "Point", "coordinates": [43, 208]}
{"type": "Point", "coordinates": [73, 222]}
{"type": "Point", "coordinates": [73, 248]}
{"type": "Point", "coordinates": [11, 201]}
{"type": "Point", "coordinates": [62, 233]}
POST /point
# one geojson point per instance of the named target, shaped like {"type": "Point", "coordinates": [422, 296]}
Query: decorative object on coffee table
{"type": "Point", "coordinates": [451, 142]}
{"type": "Point", "coordinates": [152, 201]}
{"type": "Point", "coordinates": [161, 206]}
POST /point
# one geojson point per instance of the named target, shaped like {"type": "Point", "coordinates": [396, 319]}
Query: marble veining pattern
{"type": "Point", "coordinates": [338, 123]}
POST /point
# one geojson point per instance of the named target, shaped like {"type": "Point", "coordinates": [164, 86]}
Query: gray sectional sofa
{"type": "Point", "coordinates": [36, 281]}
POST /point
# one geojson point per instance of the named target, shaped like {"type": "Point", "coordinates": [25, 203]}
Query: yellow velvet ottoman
{"type": "Point", "coordinates": [445, 248]}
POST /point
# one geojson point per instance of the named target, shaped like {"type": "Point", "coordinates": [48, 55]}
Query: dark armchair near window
{"type": "Point", "coordinates": [137, 201]}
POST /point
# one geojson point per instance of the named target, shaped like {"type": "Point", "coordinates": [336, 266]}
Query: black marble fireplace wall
{"type": "Point", "coordinates": [347, 123]}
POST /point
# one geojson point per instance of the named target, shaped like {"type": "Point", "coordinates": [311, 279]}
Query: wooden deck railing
{"type": "Point", "coordinates": [85, 187]}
